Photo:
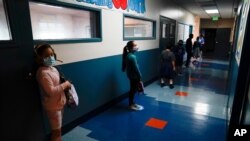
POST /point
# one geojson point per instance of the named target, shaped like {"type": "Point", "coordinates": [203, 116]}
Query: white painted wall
{"type": "Point", "coordinates": [112, 31]}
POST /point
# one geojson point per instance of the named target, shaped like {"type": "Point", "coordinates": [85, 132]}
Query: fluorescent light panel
{"type": "Point", "coordinates": [212, 11]}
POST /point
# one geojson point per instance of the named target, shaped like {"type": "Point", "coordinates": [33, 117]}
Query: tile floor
{"type": "Point", "coordinates": [195, 110]}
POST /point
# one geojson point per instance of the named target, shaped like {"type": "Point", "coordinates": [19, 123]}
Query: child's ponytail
{"type": "Point", "coordinates": [124, 55]}
{"type": "Point", "coordinates": [126, 50]}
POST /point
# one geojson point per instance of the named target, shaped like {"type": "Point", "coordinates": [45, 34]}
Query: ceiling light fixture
{"type": "Point", "coordinates": [212, 11]}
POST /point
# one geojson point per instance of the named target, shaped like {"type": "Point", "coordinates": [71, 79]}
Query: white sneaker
{"type": "Point", "coordinates": [140, 107]}
{"type": "Point", "coordinates": [136, 107]}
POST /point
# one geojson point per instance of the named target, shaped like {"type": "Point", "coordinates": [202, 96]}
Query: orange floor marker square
{"type": "Point", "coordinates": [179, 93]}
{"type": "Point", "coordinates": [194, 79]}
{"type": "Point", "coordinates": [156, 123]}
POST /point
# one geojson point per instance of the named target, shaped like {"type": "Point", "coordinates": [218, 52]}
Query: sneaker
{"type": "Point", "coordinates": [139, 106]}
{"type": "Point", "coordinates": [136, 107]}
{"type": "Point", "coordinates": [171, 86]}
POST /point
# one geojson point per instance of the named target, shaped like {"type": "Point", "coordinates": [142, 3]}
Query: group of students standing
{"type": "Point", "coordinates": [194, 50]}
{"type": "Point", "coordinates": [52, 89]}
{"type": "Point", "coordinates": [172, 58]}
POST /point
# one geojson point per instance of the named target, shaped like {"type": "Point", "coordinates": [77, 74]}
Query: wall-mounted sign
{"type": "Point", "coordinates": [120, 4]}
{"type": "Point", "coordinates": [215, 18]}
{"type": "Point", "coordinates": [241, 34]}
{"type": "Point", "coordinates": [134, 5]}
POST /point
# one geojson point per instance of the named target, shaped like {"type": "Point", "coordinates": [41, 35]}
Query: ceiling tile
{"type": "Point", "coordinates": [197, 7]}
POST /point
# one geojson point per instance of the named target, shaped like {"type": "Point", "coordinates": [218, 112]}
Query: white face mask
{"type": "Point", "coordinates": [49, 61]}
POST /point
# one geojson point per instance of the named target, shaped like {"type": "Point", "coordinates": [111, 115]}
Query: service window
{"type": "Point", "coordinates": [52, 22]}
{"type": "Point", "coordinates": [5, 34]}
{"type": "Point", "coordinates": [138, 28]}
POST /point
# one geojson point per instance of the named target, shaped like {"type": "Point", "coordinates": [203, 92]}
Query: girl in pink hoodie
{"type": "Point", "coordinates": [52, 91]}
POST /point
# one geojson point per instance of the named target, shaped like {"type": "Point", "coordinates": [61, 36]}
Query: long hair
{"type": "Point", "coordinates": [126, 50]}
{"type": "Point", "coordinates": [130, 45]}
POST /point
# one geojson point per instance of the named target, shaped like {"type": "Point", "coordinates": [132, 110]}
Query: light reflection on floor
{"type": "Point", "coordinates": [197, 115]}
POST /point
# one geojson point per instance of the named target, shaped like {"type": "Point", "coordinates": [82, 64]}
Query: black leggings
{"type": "Point", "coordinates": [132, 91]}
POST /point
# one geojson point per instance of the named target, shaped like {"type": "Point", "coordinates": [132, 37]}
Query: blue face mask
{"type": "Point", "coordinates": [49, 61]}
{"type": "Point", "coordinates": [135, 49]}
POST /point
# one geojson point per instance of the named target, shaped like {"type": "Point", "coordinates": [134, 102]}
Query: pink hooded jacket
{"type": "Point", "coordinates": [52, 92]}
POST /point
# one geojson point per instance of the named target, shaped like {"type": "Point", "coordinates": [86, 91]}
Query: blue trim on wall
{"type": "Point", "coordinates": [233, 75]}
{"type": "Point", "coordinates": [101, 80]}
{"type": "Point", "coordinates": [231, 88]}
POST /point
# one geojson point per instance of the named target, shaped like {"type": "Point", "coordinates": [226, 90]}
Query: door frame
{"type": "Point", "coordinates": [20, 100]}
{"type": "Point", "coordinates": [163, 18]}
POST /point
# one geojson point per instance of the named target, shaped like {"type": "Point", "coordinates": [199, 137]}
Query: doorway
{"type": "Point", "coordinates": [217, 43]}
{"type": "Point", "coordinates": [21, 111]}
{"type": "Point", "coordinates": [167, 32]}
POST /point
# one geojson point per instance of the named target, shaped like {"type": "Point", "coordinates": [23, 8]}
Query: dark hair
{"type": "Point", "coordinates": [180, 42]}
{"type": "Point", "coordinates": [39, 49]}
{"type": "Point", "coordinates": [197, 38]}
{"type": "Point", "coordinates": [191, 35]}
{"type": "Point", "coordinates": [126, 50]}
{"type": "Point", "coordinates": [130, 45]}
{"type": "Point", "coordinates": [170, 45]}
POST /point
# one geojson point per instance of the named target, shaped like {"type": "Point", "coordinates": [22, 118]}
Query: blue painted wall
{"type": "Point", "coordinates": [99, 81]}
{"type": "Point", "coordinates": [232, 80]}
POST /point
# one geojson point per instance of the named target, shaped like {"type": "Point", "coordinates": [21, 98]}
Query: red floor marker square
{"type": "Point", "coordinates": [179, 93]}
{"type": "Point", "coordinates": [156, 123]}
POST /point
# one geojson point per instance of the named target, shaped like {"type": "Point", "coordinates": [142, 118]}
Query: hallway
{"type": "Point", "coordinates": [88, 40]}
{"type": "Point", "coordinates": [195, 110]}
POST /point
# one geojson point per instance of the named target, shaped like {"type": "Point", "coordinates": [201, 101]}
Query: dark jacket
{"type": "Point", "coordinates": [179, 52]}
{"type": "Point", "coordinates": [189, 45]}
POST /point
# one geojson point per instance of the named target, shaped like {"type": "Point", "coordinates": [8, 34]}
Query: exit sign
{"type": "Point", "coordinates": [215, 18]}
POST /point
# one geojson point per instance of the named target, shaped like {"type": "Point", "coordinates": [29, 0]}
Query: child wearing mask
{"type": "Point", "coordinates": [51, 90]}
{"type": "Point", "coordinates": [133, 73]}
